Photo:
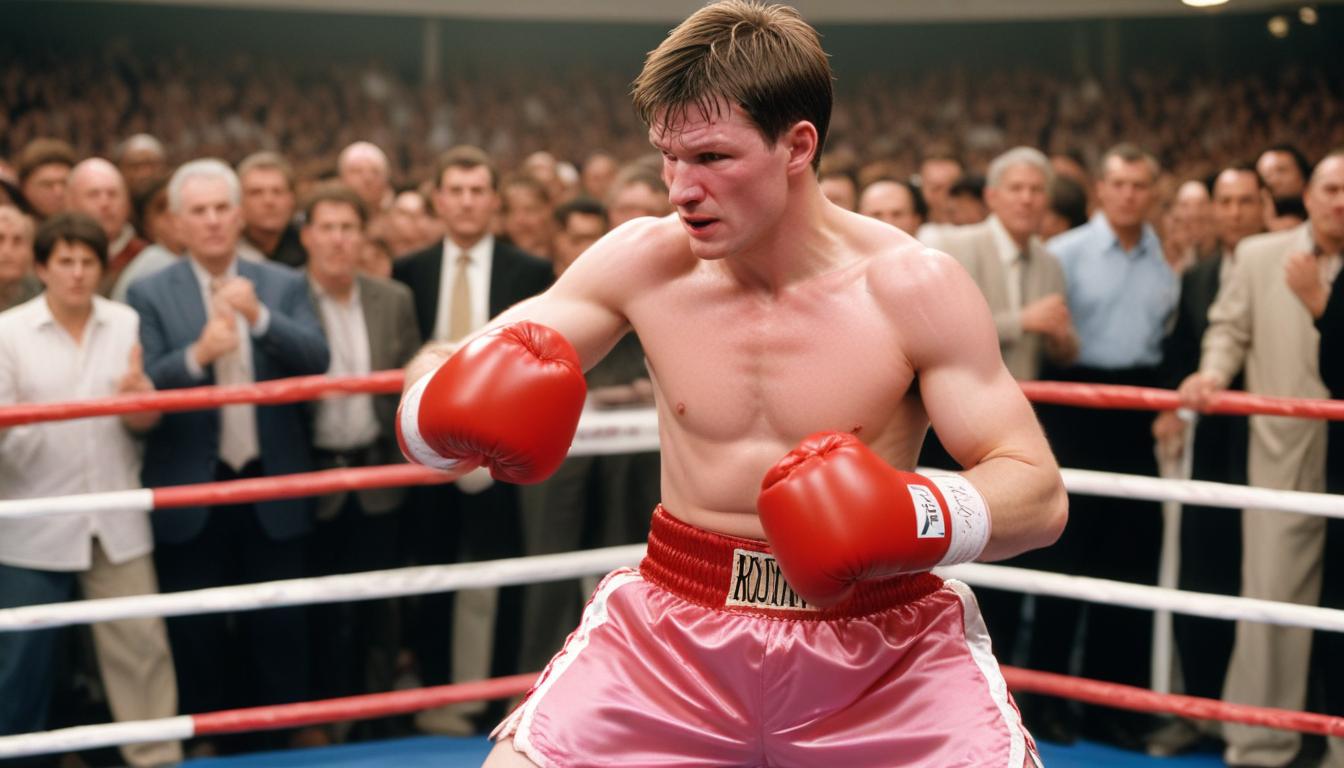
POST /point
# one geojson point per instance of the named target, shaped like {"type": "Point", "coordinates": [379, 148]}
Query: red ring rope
{"type": "Point", "coordinates": [304, 388]}
{"type": "Point", "coordinates": [295, 486]}
{"type": "Point", "coordinates": [1020, 680]}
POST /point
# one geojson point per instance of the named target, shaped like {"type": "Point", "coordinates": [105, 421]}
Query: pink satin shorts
{"type": "Point", "coordinates": [706, 657]}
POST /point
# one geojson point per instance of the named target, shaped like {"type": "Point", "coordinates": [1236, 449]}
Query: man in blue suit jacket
{"type": "Point", "coordinates": [217, 319]}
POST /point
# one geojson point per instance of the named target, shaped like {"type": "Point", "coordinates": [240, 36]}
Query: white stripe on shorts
{"type": "Point", "coordinates": [594, 616]}
{"type": "Point", "coordinates": [977, 642]}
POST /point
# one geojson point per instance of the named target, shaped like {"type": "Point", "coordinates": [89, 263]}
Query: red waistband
{"type": "Point", "coordinates": [735, 574]}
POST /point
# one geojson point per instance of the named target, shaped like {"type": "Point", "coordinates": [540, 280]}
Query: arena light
{"type": "Point", "coordinates": [1278, 26]}
{"type": "Point", "coordinates": [1307, 15]}
{"type": "Point", "coordinates": [1203, 3]}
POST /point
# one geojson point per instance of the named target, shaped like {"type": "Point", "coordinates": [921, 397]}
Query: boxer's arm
{"type": "Point", "coordinates": [979, 411]}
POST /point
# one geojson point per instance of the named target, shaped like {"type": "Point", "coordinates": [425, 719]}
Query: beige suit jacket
{"type": "Point", "coordinates": [975, 248]}
{"type": "Point", "coordinates": [1257, 322]}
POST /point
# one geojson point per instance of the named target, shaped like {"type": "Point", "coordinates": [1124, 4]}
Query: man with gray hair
{"type": "Point", "coordinates": [363, 167]}
{"type": "Point", "coordinates": [17, 282]}
{"type": "Point", "coordinates": [215, 318]}
{"type": "Point", "coordinates": [1023, 284]}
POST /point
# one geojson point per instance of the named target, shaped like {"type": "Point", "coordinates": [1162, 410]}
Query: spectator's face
{"type": "Point", "coordinates": [71, 275]}
{"type": "Point", "coordinates": [1053, 224]}
{"type": "Point", "coordinates": [97, 190]}
{"type": "Point", "coordinates": [637, 199]}
{"type": "Point", "coordinates": [367, 176]}
{"type": "Point", "coordinates": [936, 178]}
{"type": "Point", "coordinates": [1237, 208]}
{"type": "Point", "coordinates": [890, 202]}
{"type": "Point", "coordinates": [839, 190]}
{"type": "Point", "coordinates": [966, 209]}
{"type": "Point", "coordinates": [1325, 204]}
{"type": "Point", "coordinates": [597, 175]}
{"type": "Point", "coordinates": [1126, 192]}
{"type": "Point", "coordinates": [1020, 200]}
{"type": "Point", "coordinates": [333, 238]}
{"type": "Point", "coordinates": [374, 261]}
{"type": "Point", "coordinates": [44, 189]}
{"type": "Point", "coordinates": [527, 219]}
{"type": "Point", "coordinates": [268, 201]}
{"type": "Point", "coordinates": [467, 202]}
{"type": "Point", "coordinates": [140, 165]}
{"type": "Point", "coordinates": [209, 221]}
{"type": "Point", "coordinates": [1281, 174]}
{"type": "Point", "coordinates": [581, 231]}
{"type": "Point", "coordinates": [16, 247]}
{"type": "Point", "coordinates": [161, 224]}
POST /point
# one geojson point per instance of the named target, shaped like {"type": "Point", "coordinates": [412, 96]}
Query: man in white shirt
{"type": "Point", "coordinates": [69, 344]}
{"type": "Point", "coordinates": [370, 326]}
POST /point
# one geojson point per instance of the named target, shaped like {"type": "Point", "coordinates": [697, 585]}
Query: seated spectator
{"type": "Point", "coordinates": [363, 167]}
{"type": "Point", "coordinates": [17, 281]}
{"type": "Point", "coordinates": [966, 200]}
{"type": "Point", "coordinates": [269, 230]}
{"type": "Point", "coordinates": [526, 215]}
{"type": "Point", "coordinates": [70, 344]}
{"type": "Point", "coordinates": [637, 191]}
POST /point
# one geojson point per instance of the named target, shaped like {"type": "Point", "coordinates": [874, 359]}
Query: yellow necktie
{"type": "Point", "coordinates": [459, 318]}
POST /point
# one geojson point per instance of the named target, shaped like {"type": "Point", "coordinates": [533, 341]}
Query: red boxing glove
{"type": "Point", "coordinates": [509, 400]}
{"type": "Point", "coordinates": [835, 513]}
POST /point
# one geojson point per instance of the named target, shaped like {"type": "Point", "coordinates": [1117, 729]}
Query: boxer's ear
{"type": "Point", "coordinates": [802, 143]}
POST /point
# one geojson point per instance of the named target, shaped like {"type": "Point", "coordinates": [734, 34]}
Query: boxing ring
{"type": "Point", "coordinates": [622, 431]}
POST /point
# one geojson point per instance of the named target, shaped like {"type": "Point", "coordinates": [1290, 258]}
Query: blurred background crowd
{"type": "Point", "coordinates": [194, 196]}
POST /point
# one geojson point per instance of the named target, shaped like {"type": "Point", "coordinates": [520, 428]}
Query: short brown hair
{"type": "Point", "coordinates": [332, 192]}
{"type": "Point", "coordinates": [40, 152]}
{"type": "Point", "coordinates": [70, 227]}
{"type": "Point", "coordinates": [1130, 153]}
{"type": "Point", "coordinates": [466, 157]}
{"type": "Point", "coordinates": [269, 160]}
{"type": "Point", "coordinates": [763, 58]}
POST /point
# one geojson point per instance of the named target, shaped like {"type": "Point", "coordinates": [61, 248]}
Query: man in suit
{"type": "Point", "coordinates": [214, 318]}
{"type": "Point", "coordinates": [1258, 323]}
{"type": "Point", "coordinates": [370, 326]}
{"type": "Point", "coordinates": [1210, 537]}
{"type": "Point", "coordinates": [458, 286]}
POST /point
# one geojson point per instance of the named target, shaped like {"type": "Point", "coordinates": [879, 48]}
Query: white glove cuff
{"type": "Point", "coordinates": [968, 516]}
{"type": "Point", "coordinates": [409, 425]}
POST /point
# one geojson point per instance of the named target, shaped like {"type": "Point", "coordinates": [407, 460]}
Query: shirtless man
{"type": "Point", "coordinates": [769, 316]}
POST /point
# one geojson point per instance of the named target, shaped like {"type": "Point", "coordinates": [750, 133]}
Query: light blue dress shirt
{"type": "Point", "coordinates": [1121, 301]}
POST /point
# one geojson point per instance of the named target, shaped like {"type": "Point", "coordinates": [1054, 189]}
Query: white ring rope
{"type": "Point", "coordinates": [369, 585]}
{"type": "Point", "coordinates": [636, 429]}
{"type": "Point", "coordinates": [83, 737]}
{"type": "Point", "coordinates": [526, 570]}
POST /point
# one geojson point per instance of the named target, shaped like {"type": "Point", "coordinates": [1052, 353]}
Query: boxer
{"type": "Point", "coordinates": [784, 613]}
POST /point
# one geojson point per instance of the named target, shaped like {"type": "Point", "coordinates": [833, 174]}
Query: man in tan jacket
{"type": "Point", "coordinates": [1258, 322]}
{"type": "Point", "coordinates": [1021, 281]}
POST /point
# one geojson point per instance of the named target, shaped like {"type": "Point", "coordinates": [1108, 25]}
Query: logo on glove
{"type": "Point", "coordinates": [929, 522]}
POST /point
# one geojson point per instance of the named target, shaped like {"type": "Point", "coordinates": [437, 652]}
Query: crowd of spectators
{"type": "Point", "coordinates": [263, 222]}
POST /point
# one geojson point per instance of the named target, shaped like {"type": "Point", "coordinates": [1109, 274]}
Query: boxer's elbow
{"type": "Point", "coordinates": [1054, 511]}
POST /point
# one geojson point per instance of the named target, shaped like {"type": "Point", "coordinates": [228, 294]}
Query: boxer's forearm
{"type": "Point", "coordinates": [1028, 505]}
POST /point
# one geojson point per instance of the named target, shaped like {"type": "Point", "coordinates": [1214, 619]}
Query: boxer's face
{"type": "Point", "coordinates": [729, 186]}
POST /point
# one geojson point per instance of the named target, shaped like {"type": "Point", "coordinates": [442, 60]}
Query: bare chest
{"type": "Point", "coordinates": [734, 368]}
